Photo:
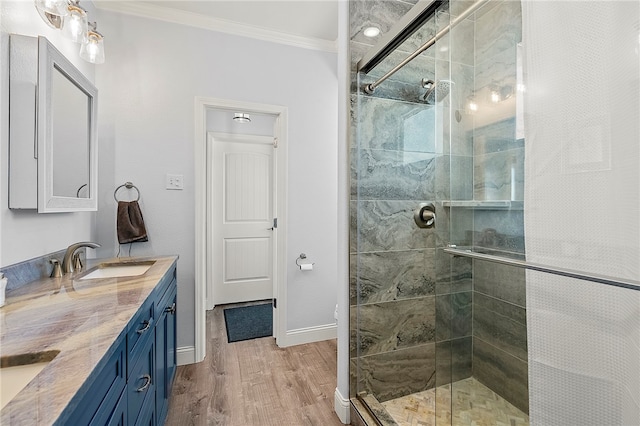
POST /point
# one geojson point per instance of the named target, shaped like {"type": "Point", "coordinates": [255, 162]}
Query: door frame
{"type": "Point", "coordinates": [202, 217]}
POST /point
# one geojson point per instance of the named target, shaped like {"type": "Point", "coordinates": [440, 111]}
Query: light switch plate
{"type": "Point", "coordinates": [175, 182]}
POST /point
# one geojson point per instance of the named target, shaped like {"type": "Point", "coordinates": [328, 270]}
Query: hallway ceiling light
{"type": "Point", "coordinates": [371, 32]}
{"type": "Point", "coordinates": [68, 16]}
{"type": "Point", "coordinates": [93, 49]}
{"type": "Point", "coordinates": [241, 117]}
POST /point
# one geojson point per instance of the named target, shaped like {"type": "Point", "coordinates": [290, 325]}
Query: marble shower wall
{"type": "Point", "coordinates": [420, 318]}
{"type": "Point", "coordinates": [410, 302]}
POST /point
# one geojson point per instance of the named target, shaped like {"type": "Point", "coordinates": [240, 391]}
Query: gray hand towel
{"type": "Point", "coordinates": [129, 223]}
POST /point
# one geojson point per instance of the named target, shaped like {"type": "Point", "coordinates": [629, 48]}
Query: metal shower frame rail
{"type": "Point", "coordinates": [569, 273]}
{"type": "Point", "coordinates": [371, 87]}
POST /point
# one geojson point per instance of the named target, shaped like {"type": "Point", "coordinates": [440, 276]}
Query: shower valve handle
{"type": "Point", "coordinates": [425, 215]}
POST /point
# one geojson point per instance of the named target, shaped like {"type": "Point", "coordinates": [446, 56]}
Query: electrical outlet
{"type": "Point", "coordinates": [175, 182]}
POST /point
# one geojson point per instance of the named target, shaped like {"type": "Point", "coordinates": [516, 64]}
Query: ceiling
{"type": "Point", "coordinates": [307, 23]}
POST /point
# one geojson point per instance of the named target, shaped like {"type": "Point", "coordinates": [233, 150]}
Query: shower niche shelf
{"type": "Point", "coordinates": [485, 205]}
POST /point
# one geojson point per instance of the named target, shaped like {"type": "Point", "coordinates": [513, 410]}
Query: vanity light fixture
{"type": "Point", "coordinates": [241, 117]}
{"type": "Point", "coordinates": [75, 25]}
{"type": "Point", "coordinates": [371, 32]}
{"type": "Point", "coordinates": [93, 49]}
{"type": "Point", "coordinates": [68, 16]}
{"type": "Point", "coordinates": [52, 11]}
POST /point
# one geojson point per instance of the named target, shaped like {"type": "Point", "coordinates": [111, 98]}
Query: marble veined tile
{"type": "Point", "coordinates": [453, 315]}
{"type": "Point", "coordinates": [498, 29]}
{"type": "Point", "coordinates": [422, 66]}
{"type": "Point", "coordinates": [502, 282]}
{"type": "Point", "coordinates": [500, 136]}
{"type": "Point", "coordinates": [380, 13]}
{"type": "Point", "coordinates": [397, 373]}
{"type": "Point", "coordinates": [499, 175]}
{"type": "Point", "coordinates": [387, 225]}
{"type": "Point", "coordinates": [381, 123]}
{"type": "Point", "coordinates": [389, 326]}
{"type": "Point", "coordinates": [30, 270]}
{"type": "Point", "coordinates": [501, 372]}
{"type": "Point", "coordinates": [499, 229]}
{"type": "Point", "coordinates": [392, 175]}
{"type": "Point", "coordinates": [453, 360]}
{"type": "Point", "coordinates": [498, 72]}
{"type": "Point", "coordinates": [392, 275]}
{"type": "Point", "coordinates": [497, 323]}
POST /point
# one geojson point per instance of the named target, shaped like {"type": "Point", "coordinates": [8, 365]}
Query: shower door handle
{"type": "Point", "coordinates": [425, 215]}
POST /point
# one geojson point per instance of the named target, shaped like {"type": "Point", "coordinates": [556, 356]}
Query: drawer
{"type": "Point", "coordinates": [142, 382]}
{"type": "Point", "coordinates": [140, 329]}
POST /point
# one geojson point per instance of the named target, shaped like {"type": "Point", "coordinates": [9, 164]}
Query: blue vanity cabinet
{"type": "Point", "coordinates": [132, 384]}
{"type": "Point", "coordinates": [165, 349]}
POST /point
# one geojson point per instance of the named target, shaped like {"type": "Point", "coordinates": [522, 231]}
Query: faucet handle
{"type": "Point", "coordinates": [57, 270]}
{"type": "Point", "coordinates": [77, 262]}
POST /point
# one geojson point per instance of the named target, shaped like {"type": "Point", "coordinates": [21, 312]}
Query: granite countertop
{"type": "Point", "coordinates": [80, 318]}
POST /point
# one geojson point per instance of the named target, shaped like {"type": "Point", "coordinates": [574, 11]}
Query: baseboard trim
{"type": "Point", "coordinates": [319, 333]}
{"type": "Point", "coordinates": [186, 355]}
{"type": "Point", "coordinates": [342, 407]}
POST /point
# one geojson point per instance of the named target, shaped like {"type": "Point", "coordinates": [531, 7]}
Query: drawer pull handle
{"type": "Point", "coordinates": [147, 326]}
{"type": "Point", "coordinates": [146, 385]}
{"type": "Point", "coordinates": [171, 309]}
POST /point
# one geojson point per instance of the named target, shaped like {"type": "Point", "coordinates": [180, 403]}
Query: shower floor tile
{"type": "Point", "coordinates": [473, 404]}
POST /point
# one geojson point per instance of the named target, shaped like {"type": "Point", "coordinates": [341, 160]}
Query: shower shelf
{"type": "Point", "coordinates": [485, 205]}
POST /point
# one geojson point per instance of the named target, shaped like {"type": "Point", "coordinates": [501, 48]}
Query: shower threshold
{"type": "Point", "coordinates": [471, 402]}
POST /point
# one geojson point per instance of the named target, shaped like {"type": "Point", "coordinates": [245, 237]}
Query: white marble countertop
{"type": "Point", "coordinates": [81, 319]}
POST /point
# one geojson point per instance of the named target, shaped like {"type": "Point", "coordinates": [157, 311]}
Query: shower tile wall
{"type": "Point", "coordinates": [399, 316]}
{"type": "Point", "coordinates": [415, 310]}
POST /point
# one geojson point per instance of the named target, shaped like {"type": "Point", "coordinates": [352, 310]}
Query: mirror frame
{"type": "Point", "coordinates": [50, 59]}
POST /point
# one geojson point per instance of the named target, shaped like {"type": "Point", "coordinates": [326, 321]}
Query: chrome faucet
{"type": "Point", "coordinates": [67, 263]}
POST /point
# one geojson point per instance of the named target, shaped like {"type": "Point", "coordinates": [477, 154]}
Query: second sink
{"type": "Point", "coordinates": [17, 371]}
{"type": "Point", "coordinates": [118, 269]}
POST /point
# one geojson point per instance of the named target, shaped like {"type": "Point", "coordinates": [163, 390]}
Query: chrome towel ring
{"type": "Point", "coordinates": [127, 185]}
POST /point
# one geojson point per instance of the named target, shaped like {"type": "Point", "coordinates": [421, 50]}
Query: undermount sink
{"type": "Point", "coordinates": [16, 371]}
{"type": "Point", "coordinates": [119, 269]}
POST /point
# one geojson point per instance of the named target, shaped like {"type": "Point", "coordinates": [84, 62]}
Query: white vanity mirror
{"type": "Point", "coordinates": [52, 130]}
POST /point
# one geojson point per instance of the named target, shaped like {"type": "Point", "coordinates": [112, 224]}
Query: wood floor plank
{"type": "Point", "coordinates": [255, 383]}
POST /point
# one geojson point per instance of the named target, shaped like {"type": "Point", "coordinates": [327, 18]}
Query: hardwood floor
{"type": "Point", "coordinates": [255, 383]}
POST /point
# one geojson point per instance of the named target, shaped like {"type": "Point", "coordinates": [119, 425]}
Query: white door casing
{"type": "Point", "coordinates": [242, 214]}
{"type": "Point", "coordinates": [203, 299]}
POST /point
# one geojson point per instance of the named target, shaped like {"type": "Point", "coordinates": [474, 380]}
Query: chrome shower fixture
{"type": "Point", "coordinates": [436, 92]}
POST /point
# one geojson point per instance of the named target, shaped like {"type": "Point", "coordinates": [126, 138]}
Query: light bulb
{"type": "Point", "coordinates": [371, 31]}
{"type": "Point", "coordinates": [75, 26]}
{"type": "Point", "coordinates": [473, 106]}
{"type": "Point", "coordinates": [93, 49]}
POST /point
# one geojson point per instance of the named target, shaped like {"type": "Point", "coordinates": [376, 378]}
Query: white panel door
{"type": "Point", "coordinates": [242, 212]}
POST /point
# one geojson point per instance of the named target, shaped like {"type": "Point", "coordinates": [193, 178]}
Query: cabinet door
{"type": "Point", "coordinates": [166, 352]}
{"type": "Point", "coordinates": [97, 399]}
{"type": "Point", "coordinates": [118, 417]}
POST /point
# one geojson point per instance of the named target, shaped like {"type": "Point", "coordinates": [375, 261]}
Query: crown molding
{"type": "Point", "coordinates": [214, 24]}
